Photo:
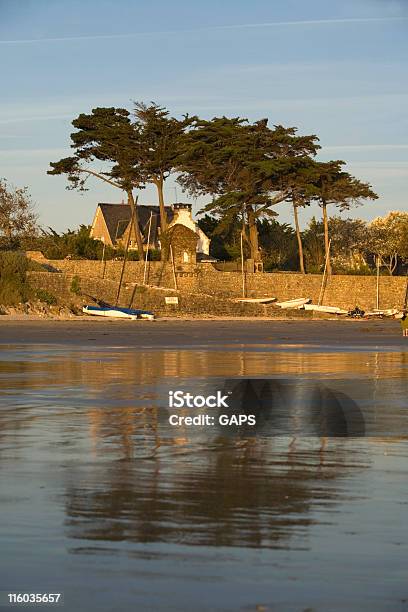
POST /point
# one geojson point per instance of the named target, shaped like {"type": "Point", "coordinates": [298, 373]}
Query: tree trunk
{"type": "Point", "coordinates": [299, 239]}
{"type": "Point", "coordinates": [253, 234]}
{"type": "Point", "coordinates": [393, 261]}
{"type": "Point", "coordinates": [163, 217]}
{"type": "Point", "coordinates": [326, 237]}
{"type": "Point", "coordinates": [136, 226]}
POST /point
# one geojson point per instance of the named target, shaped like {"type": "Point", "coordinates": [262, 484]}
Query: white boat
{"type": "Point", "coordinates": [265, 300]}
{"type": "Point", "coordinates": [118, 313]}
{"type": "Point", "coordinates": [328, 309]}
{"type": "Point", "coordinates": [296, 303]}
{"type": "Point", "coordinates": [388, 312]}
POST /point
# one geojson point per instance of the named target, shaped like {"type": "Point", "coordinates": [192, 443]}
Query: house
{"type": "Point", "coordinates": [111, 225]}
{"type": "Point", "coordinates": [184, 243]}
{"type": "Point", "coordinates": [182, 215]}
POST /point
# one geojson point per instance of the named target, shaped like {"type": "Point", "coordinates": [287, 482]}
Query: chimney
{"type": "Point", "coordinates": [182, 212]}
{"type": "Point", "coordinates": [183, 215]}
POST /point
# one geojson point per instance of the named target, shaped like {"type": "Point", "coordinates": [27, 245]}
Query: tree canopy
{"type": "Point", "coordinates": [160, 141]}
{"type": "Point", "coordinates": [17, 214]}
{"type": "Point", "coordinates": [107, 136]}
{"type": "Point", "coordinates": [246, 168]}
{"type": "Point", "coordinates": [388, 238]}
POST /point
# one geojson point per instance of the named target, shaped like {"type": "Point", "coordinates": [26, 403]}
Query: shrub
{"type": "Point", "coordinates": [47, 297]}
{"type": "Point", "coordinates": [14, 288]}
{"type": "Point", "coordinates": [76, 285]}
{"type": "Point", "coordinates": [74, 309]}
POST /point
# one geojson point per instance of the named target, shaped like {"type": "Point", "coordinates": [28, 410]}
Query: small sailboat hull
{"type": "Point", "coordinates": [267, 300]}
{"type": "Point", "coordinates": [117, 312]}
{"type": "Point", "coordinates": [388, 312]}
{"type": "Point", "coordinates": [296, 303]}
{"type": "Point", "coordinates": [327, 309]}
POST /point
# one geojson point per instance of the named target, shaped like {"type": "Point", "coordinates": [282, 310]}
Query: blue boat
{"type": "Point", "coordinates": [118, 313]}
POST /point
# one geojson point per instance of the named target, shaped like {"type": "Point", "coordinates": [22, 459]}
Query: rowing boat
{"type": "Point", "coordinates": [266, 300]}
{"type": "Point", "coordinates": [296, 303]}
{"type": "Point", "coordinates": [117, 312]}
{"type": "Point", "coordinates": [388, 312]}
{"type": "Point", "coordinates": [328, 309]}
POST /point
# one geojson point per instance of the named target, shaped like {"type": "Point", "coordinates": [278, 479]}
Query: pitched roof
{"type": "Point", "coordinates": [117, 218]}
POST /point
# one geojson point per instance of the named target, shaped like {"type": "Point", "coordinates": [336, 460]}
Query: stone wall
{"type": "Point", "coordinates": [148, 298]}
{"type": "Point", "coordinates": [342, 290]}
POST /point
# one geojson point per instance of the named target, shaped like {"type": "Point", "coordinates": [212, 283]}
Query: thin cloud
{"type": "Point", "coordinates": [365, 147]}
{"type": "Point", "coordinates": [271, 24]}
{"type": "Point", "coordinates": [34, 118]}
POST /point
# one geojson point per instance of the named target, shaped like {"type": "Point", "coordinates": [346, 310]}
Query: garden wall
{"type": "Point", "coordinates": [345, 291]}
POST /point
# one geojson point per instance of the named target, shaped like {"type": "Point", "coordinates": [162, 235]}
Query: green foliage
{"type": "Point", "coordinates": [349, 245]}
{"type": "Point", "coordinates": [46, 296]}
{"type": "Point", "coordinates": [225, 238]}
{"type": "Point", "coordinates": [277, 242]}
{"type": "Point", "coordinates": [76, 285]}
{"type": "Point", "coordinates": [17, 216]}
{"type": "Point", "coordinates": [332, 185]}
{"type": "Point", "coordinates": [246, 168]}
{"type": "Point", "coordinates": [278, 245]}
{"type": "Point", "coordinates": [154, 255]}
{"type": "Point", "coordinates": [160, 140]}
{"type": "Point", "coordinates": [134, 150]}
{"type": "Point", "coordinates": [14, 288]}
{"type": "Point", "coordinates": [388, 238]}
{"type": "Point", "coordinates": [76, 244]}
{"type": "Point", "coordinates": [133, 256]}
{"type": "Point", "coordinates": [106, 135]}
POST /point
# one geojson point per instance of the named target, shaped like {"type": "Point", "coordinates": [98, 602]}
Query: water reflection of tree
{"type": "Point", "coordinates": [254, 493]}
{"type": "Point", "coordinates": [148, 489]}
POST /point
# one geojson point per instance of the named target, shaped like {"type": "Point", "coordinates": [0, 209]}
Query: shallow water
{"type": "Point", "coordinates": [101, 502]}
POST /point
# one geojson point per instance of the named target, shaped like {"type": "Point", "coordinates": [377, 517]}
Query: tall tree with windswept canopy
{"type": "Point", "coordinates": [106, 136]}
{"type": "Point", "coordinates": [334, 186]}
{"type": "Point", "coordinates": [160, 141]}
{"type": "Point", "coordinates": [301, 193]}
{"type": "Point", "coordinates": [244, 167]}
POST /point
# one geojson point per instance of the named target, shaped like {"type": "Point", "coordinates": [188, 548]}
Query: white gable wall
{"type": "Point", "coordinates": [183, 216]}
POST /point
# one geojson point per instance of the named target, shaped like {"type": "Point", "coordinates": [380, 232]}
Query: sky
{"type": "Point", "coordinates": [336, 69]}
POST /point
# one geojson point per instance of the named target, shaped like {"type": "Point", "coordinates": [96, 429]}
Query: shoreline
{"type": "Point", "coordinates": [192, 332]}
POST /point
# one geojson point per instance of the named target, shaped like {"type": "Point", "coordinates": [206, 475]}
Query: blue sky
{"type": "Point", "coordinates": [336, 69]}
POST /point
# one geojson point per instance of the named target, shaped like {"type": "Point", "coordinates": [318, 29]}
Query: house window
{"type": "Point", "coordinates": [186, 257]}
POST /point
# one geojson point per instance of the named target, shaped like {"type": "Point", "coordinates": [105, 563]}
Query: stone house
{"type": "Point", "coordinates": [183, 242]}
{"type": "Point", "coordinates": [111, 225]}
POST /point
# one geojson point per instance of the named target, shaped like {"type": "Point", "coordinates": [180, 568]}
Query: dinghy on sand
{"type": "Point", "coordinates": [266, 300]}
{"type": "Point", "coordinates": [388, 312]}
{"type": "Point", "coordinates": [118, 313]}
{"type": "Point", "coordinates": [328, 309]}
{"type": "Point", "coordinates": [297, 303]}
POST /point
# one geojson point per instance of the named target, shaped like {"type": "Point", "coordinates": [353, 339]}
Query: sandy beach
{"type": "Point", "coordinates": [353, 334]}
{"type": "Point", "coordinates": [97, 492]}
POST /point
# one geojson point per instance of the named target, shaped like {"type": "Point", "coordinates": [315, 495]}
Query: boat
{"type": "Point", "coordinates": [388, 312]}
{"type": "Point", "coordinates": [296, 303]}
{"type": "Point", "coordinates": [118, 313]}
{"type": "Point", "coordinates": [328, 309]}
{"type": "Point", "coordinates": [265, 300]}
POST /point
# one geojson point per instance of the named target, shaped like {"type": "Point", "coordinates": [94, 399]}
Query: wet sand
{"type": "Point", "coordinates": [350, 334]}
{"type": "Point", "coordinates": [102, 502]}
